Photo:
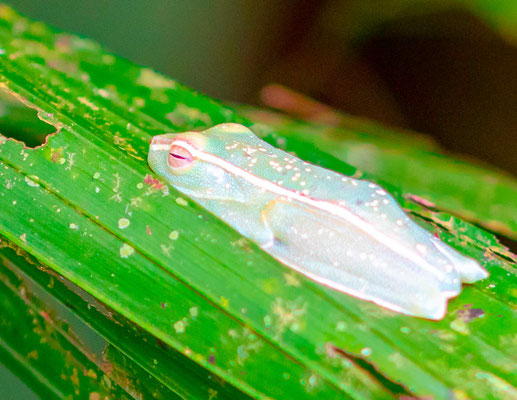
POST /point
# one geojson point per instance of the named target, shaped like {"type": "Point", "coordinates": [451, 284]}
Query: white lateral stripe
{"type": "Point", "coordinates": [338, 211]}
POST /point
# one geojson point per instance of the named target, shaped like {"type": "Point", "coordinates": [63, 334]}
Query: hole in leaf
{"type": "Point", "coordinates": [508, 242]}
{"type": "Point", "coordinates": [21, 123]}
{"type": "Point", "coordinates": [369, 367]}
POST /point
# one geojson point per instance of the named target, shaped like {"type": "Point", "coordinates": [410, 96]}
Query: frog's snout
{"type": "Point", "coordinates": [160, 143]}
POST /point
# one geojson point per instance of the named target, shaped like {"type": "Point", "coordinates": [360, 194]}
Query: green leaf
{"type": "Point", "coordinates": [42, 350]}
{"type": "Point", "coordinates": [128, 356]}
{"type": "Point", "coordinates": [86, 206]}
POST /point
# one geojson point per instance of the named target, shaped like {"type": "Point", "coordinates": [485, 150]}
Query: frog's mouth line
{"type": "Point", "coordinates": [326, 206]}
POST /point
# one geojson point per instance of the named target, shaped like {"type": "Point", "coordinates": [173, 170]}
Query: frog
{"type": "Point", "coordinates": [348, 234]}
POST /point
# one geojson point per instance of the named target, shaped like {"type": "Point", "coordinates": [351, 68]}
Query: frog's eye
{"type": "Point", "coordinates": [179, 157]}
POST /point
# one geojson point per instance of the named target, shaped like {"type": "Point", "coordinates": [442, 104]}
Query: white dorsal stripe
{"type": "Point", "coordinates": [331, 208]}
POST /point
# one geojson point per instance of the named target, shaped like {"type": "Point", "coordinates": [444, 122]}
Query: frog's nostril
{"type": "Point", "coordinates": [159, 144]}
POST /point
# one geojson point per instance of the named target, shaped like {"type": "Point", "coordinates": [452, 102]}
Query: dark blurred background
{"type": "Point", "coordinates": [447, 68]}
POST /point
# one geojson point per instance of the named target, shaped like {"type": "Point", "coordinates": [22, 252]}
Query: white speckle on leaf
{"type": "Point", "coordinates": [88, 103]}
{"type": "Point", "coordinates": [193, 312]}
{"type": "Point", "coordinates": [291, 279]}
{"type": "Point", "coordinates": [154, 80]}
{"type": "Point", "coordinates": [103, 93]}
{"type": "Point", "coordinates": [126, 250]}
{"type": "Point", "coordinates": [108, 59]}
{"type": "Point", "coordinates": [166, 249]}
{"type": "Point", "coordinates": [138, 102]}
{"type": "Point", "coordinates": [181, 201]}
{"type": "Point", "coordinates": [179, 327]}
{"type": "Point", "coordinates": [71, 161]}
{"type": "Point", "coordinates": [123, 223]}
{"type": "Point", "coordinates": [31, 182]}
{"type": "Point", "coordinates": [366, 351]}
{"type": "Point", "coordinates": [313, 380]}
{"type": "Point", "coordinates": [341, 326]}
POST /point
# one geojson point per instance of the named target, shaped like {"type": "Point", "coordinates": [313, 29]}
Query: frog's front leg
{"type": "Point", "coordinates": [245, 217]}
{"type": "Point", "coordinates": [265, 216]}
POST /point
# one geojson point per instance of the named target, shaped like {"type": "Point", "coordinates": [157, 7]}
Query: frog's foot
{"type": "Point", "coordinates": [469, 270]}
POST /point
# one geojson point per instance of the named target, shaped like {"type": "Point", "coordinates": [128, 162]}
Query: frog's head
{"type": "Point", "coordinates": [203, 163]}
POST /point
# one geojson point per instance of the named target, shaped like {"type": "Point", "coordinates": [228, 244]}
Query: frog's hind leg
{"type": "Point", "coordinates": [338, 255]}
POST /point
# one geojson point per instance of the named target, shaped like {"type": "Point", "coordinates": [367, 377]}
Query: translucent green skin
{"type": "Point", "coordinates": [345, 233]}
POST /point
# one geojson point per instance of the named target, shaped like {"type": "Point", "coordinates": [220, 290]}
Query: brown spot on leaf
{"type": "Point", "coordinates": [467, 313]}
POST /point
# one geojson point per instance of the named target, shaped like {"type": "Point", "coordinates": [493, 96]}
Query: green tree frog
{"type": "Point", "coordinates": [344, 233]}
